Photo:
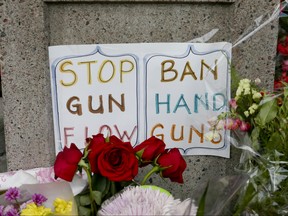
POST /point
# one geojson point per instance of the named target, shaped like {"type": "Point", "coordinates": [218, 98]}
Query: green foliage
{"type": "Point", "coordinates": [267, 113]}
{"type": "Point", "coordinates": [267, 190]}
{"type": "Point", "coordinates": [83, 211]}
{"type": "Point", "coordinates": [97, 196]}
{"type": "Point", "coordinates": [201, 206]}
{"type": "Point", "coordinates": [84, 200]}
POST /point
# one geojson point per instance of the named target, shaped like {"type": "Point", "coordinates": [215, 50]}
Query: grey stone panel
{"type": "Point", "coordinates": [26, 86]}
{"type": "Point", "coordinates": [255, 58]}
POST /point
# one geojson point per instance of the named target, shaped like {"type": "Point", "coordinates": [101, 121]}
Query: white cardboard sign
{"type": "Point", "coordinates": [134, 91]}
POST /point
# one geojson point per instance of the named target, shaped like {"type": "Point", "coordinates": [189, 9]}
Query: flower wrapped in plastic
{"type": "Point", "coordinates": [259, 121]}
{"type": "Point", "coordinates": [45, 199]}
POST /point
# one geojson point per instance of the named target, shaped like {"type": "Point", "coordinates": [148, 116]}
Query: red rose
{"type": "Point", "coordinates": [66, 162]}
{"type": "Point", "coordinates": [173, 160]}
{"type": "Point", "coordinates": [282, 46]}
{"type": "Point", "coordinates": [117, 161]}
{"type": "Point", "coordinates": [282, 49]}
{"type": "Point", "coordinates": [96, 145]}
{"type": "Point", "coordinates": [151, 148]}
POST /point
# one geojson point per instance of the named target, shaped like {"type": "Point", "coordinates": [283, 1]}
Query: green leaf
{"type": "Point", "coordinates": [286, 91]}
{"type": "Point", "coordinates": [245, 199]}
{"type": "Point", "coordinates": [201, 206]}
{"type": "Point", "coordinates": [99, 182]}
{"type": "Point", "coordinates": [84, 211]}
{"type": "Point", "coordinates": [254, 138]}
{"type": "Point", "coordinates": [84, 200]}
{"type": "Point", "coordinates": [274, 139]}
{"type": "Point", "coordinates": [113, 188]}
{"type": "Point", "coordinates": [97, 196]}
{"type": "Point", "coordinates": [140, 153]}
{"type": "Point", "coordinates": [107, 189]}
{"type": "Point", "coordinates": [268, 111]}
{"type": "Point", "coordinates": [285, 105]}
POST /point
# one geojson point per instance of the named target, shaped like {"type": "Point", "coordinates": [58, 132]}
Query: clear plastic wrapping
{"type": "Point", "coordinates": [258, 122]}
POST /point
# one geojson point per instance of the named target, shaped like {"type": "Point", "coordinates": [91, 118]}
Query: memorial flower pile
{"type": "Point", "coordinates": [281, 70]}
{"type": "Point", "coordinates": [111, 164]}
{"type": "Point", "coordinates": [258, 121]}
{"type": "Point", "coordinates": [20, 203]}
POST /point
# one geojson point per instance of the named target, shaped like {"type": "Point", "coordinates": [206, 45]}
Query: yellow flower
{"type": "Point", "coordinates": [33, 209]}
{"type": "Point", "coordinates": [62, 207]}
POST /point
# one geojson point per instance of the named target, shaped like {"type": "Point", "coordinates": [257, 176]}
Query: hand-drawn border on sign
{"type": "Point", "coordinates": [192, 49]}
{"type": "Point", "coordinates": [55, 101]}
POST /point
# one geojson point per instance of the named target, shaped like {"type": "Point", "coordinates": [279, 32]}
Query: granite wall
{"type": "Point", "coordinates": [29, 27]}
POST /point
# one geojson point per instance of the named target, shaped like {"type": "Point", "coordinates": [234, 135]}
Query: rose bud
{"type": "Point", "coordinates": [149, 150]}
{"type": "Point", "coordinates": [95, 147]}
{"type": "Point", "coordinates": [66, 163]}
{"type": "Point", "coordinates": [174, 165]}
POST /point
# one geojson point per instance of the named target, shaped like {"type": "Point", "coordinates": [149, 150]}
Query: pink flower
{"type": "Point", "coordinates": [232, 124]}
{"type": "Point", "coordinates": [228, 124]}
{"type": "Point", "coordinates": [285, 65]}
{"type": "Point", "coordinates": [245, 126]}
{"type": "Point", "coordinates": [233, 103]}
{"type": "Point", "coordinates": [236, 124]}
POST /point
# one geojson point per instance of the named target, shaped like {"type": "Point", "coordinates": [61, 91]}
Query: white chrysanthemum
{"type": "Point", "coordinates": [145, 201]}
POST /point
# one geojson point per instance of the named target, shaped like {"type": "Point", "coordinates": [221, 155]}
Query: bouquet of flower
{"type": "Point", "coordinates": [259, 121]}
{"type": "Point", "coordinates": [111, 164]}
{"type": "Point", "coordinates": [23, 201]}
{"type": "Point", "coordinates": [281, 70]}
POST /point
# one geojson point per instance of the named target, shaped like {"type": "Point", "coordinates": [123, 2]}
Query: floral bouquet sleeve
{"type": "Point", "coordinates": [259, 122]}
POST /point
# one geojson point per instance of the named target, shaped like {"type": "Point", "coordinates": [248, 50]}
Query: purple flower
{"type": "Point", "coordinates": [9, 211]}
{"type": "Point", "coordinates": [12, 212]}
{"type": "Point", "coordinates": [12, 194]}
{"type": "Point", "coordinates": [1, 210]}
{"type": "Point", "coordinates": [38, 199]}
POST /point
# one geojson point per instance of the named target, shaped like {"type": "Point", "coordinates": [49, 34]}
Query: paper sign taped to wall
{"type": "Point", "coordinates": [135, 91]}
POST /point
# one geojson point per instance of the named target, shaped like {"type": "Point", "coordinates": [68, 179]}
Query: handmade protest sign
{"type": "Point", "coordinates": [134, 91]}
